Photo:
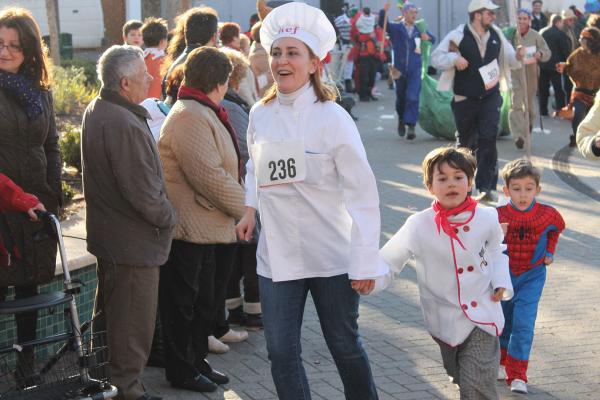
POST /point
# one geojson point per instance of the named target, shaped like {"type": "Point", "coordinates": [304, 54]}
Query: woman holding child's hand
{"type": "Point", "coordinates": [309, 177]}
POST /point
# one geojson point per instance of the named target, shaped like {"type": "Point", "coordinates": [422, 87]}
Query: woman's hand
{"type": "Point", "coordinates": [363, 286]}
{"type": "Point", "coordinates": [31, 212]}
{"type": "Point", "coordinates": [498, 293]}
{"type": "Point", "coordinates": [246, 225]}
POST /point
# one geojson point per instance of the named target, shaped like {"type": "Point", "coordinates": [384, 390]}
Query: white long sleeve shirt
{"type": "Point", "coordinates": [328, 224]}
{"type": "Point", "coordinates": [455, 296]}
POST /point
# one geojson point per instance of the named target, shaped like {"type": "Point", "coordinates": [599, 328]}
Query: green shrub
{"type": "Point", "coordinates": [89, 70]}
{"type": "Point", "coordinates": [69, 89]}
{"type": "Point", "coordinates": [70, 146]}
{"type": "Point", "coordinates": [67, 192]}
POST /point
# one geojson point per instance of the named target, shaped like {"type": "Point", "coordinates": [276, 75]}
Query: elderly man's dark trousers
{"type": "Point", "coordinates": [477, 128]}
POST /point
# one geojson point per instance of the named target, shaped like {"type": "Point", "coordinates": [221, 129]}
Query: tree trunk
{"type": "Point", "coordinates": [185, 5]}
{"type": "Point", "coordinates": [52, 14]}
{"type": "Point", "coordinates": [113, 12]}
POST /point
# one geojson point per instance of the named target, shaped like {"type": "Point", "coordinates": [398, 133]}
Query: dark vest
{"type": "Point", "coordinates": [468, 82]}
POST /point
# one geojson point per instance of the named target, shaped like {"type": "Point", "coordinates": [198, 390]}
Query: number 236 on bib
{"type": "Point", "coordinates": [278, 163]}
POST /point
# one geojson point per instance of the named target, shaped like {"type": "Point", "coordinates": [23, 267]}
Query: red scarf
{"type": "Point", "coordinates": [188, 93]}
{"type": "Point", "coordinates": [442, 214]}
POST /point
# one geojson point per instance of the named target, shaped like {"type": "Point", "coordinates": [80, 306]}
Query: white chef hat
{"type": "Point", "coordinates": [300, 21]}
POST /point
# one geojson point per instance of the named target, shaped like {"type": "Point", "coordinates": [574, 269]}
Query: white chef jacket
{"type": "Point", "coordinates": [455, 297]}
{"type": "Point", "coordinates": [328, 224]}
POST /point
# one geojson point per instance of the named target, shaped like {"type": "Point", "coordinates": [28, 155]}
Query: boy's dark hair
{"type": "Point", "coordinates": [153, 31]}
{"type": "Point", "coordinates": [228, 32]}
{"type": "Point", "coordinates": [254, 19]}
{"type": "Point", "coordinates": [520, 168]}
{"type": "Point", "coordinates": [459, 158]}
{"type": "Point", "coordinates": [131, 25]}
{"type": "Point", "coordinates": [200, 27]}
{"type": "Point", "coordinates": [536, 1]}
{"type": "Point", "coordinates": [366, 11]}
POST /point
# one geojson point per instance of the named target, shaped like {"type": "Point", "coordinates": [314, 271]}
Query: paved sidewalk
{"type": "Point", "coordinates": [565, 361]}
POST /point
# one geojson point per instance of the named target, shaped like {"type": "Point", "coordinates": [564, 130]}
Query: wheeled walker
{"type": "Point", "coordinates": [63, 366]}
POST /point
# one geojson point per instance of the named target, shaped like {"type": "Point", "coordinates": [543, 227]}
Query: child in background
{"type": "Point", "coordinates": [462, 271]}
{"type": "Point", "coordinates": [154, 32]}
{"type": "Point", "coordinates": [533, 230]}
{"type": "Point", "coordinates": [132, 33]}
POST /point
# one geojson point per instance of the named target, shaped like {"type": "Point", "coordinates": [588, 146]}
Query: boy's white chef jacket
{"type": "Point", "coordinates": [328, 224]}
{"type": "Point", "coordinates": [455, 297]}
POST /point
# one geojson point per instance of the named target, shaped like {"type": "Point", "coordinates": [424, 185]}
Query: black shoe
{"type": "Point", "coordinates": [146, 396]}
{"type": "Point", "coordinates": [198, 384]}
{"type": "Point", "coordinates": [401, 128]}
{"type": "Point", "coordinates": [206, 370]}
{"type": "Point", "coordinates": [364, 99]}
{"type": "Point", "coordinates": [411, 133]}
{"type": "Point", "coordinates": [373, 98]}
{"type": "Point", "coordinates": [519, 143]}
{"type": "Point", "coordinates": [236, 317]}
{"type": "Point", "coordinates": [572, 141]}
{"type": "Point", "coordinates": [254, 322]}
{"type": "Point", "coordinates": [217, 377]}
{"type": "Point", "coordinates": [544, 113]}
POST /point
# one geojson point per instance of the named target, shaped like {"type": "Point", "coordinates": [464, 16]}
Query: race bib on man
{"type": "Point", "coordinates": [530, 55]}
{"type": "Point", "coordinates": [490, 74]}
{"type": "Point", "coordinates": [278, 163]}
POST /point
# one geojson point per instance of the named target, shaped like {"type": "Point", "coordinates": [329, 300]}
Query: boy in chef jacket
{"type": "Point", "coordinates": [532, 235]}
{"type": "Point", "coordinates": [462, 271]}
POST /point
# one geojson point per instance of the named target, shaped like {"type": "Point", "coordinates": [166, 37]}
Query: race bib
{"type": "Point", "coordinates": [530, 55]}
{"type": "Point", "coordinates": [490, 74]}
{"type": "Point", "coordinates": [278, 163]}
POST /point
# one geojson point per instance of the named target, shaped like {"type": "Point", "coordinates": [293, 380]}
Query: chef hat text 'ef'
{"type": "Point", "coordinates": [300, 21]}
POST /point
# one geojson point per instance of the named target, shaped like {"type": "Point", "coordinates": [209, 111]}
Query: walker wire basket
{"type": "Point", "coordinates": [56, 368]}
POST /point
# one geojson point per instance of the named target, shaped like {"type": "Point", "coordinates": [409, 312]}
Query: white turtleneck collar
{"type": "Point", "coordinates": [287, 99]}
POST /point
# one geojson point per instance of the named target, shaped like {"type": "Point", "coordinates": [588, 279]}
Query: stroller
{"type": "Point", "coordinates": [64, 366]}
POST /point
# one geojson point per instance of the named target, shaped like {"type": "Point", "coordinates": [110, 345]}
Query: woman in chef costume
{"type": "Point", "coordinates": [309, 177]}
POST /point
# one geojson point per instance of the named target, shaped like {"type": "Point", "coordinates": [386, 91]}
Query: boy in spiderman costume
{"type": "Point", "coordinates": [531, 237]}
{"type": "Point", "coordinates": [13, 198]}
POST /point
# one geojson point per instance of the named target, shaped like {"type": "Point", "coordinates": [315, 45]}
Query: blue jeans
{"type": "Point", "coordinates": [337, 307]}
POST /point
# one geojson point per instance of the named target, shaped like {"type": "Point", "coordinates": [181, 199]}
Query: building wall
{"type": "Point", "coordinates": [81, 18]}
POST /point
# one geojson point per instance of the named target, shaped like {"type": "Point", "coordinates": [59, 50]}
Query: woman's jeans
{"type": "Point", "coordinates": [337, 307]}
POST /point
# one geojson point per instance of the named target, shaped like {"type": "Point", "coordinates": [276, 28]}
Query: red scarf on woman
{"type": "Point", "coordinates": [188, 93]}
{"type": "Point", "coordinates": [442, 215]}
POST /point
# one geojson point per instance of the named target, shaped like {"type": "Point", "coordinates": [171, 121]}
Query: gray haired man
{"type": "Point", "coordinates": [129, 218]}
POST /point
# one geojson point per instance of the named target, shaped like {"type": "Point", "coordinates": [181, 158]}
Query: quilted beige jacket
{"type": "Point", "coordinates": [201, 174]}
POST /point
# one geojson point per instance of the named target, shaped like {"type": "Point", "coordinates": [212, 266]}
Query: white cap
{"type": "Point", "coordinates": [568, 13]}
{"type": "Point", "coordinates": [300, 21]}
{"type": "Point", "coordinates": [475, 5]}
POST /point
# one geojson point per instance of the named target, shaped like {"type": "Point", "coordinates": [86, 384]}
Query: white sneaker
{"type": "Point", "coordinates": [501, 373]}
{"type": "Point", "coordinates": [215, 346]}
{"type": "Point", "coordinates": [518, 386]}
{"type": "Point", "coordinates": [234, 336]}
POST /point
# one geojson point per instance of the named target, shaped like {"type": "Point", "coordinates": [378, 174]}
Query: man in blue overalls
{"type": "Point", "coordinates": [406, 42]}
